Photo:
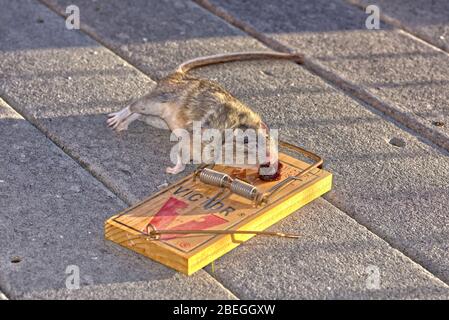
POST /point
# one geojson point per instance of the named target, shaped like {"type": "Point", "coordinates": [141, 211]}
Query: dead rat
{"type": "Point", "coordinates": [178, 100]}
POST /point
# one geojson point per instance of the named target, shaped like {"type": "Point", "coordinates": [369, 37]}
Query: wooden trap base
{"type": "Point", "coordinates": [184, 206]}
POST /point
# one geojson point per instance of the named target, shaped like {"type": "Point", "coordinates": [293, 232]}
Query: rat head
{"type": "Point", "coordinates": [258, 142]}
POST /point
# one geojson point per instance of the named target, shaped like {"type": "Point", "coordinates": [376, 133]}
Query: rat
{"type": "Point", "coordinates": [179, 99]}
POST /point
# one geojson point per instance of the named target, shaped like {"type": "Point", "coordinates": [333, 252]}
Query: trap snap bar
{"type": "Point", "coordinates": [198, 219]}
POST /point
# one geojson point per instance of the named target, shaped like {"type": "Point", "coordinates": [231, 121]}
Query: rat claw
{"type": "Point", "coordinates": [113, 122]}
{"type": "Point", "coordinates": [112, 125]}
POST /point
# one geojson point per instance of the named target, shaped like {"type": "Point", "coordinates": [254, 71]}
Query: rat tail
{"type": "Point", "coordinates": [237, 56]}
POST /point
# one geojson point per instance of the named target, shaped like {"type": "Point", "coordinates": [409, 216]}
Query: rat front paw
{"type": "Point", "coordinates": [114, 120]}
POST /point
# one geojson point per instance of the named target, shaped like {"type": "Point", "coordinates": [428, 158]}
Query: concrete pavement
{"type": "Point", "coordinates": [53, 212]}
{"type": "Point", "coordinates": [387, 190]}
{"type": "Point", "coordinates": [387, 68]}
{"type": "Point", "coordinates": [427, 20]}
{"type": "Point", "coordinates": [64, 83]}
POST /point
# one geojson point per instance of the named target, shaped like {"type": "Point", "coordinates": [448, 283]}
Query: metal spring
{"type": "Point", "coordinates": [223, 180]}
{"type": "Point", "coordinates": [244, 189]}
{"type": "Point", "coordinates": [215, 178]}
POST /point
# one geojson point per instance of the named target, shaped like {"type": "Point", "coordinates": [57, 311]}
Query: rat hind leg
{"type": "Point", "coordinates": [179, 166]}
{"type": "Point", "coordinates": [181, 157]}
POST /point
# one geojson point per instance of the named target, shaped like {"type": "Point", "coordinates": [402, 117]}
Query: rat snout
{"type": "Point", "coordinates": [270, 169]}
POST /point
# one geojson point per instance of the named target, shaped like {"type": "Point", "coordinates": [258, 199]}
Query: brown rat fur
{"type": "Point", "coordinates": [179, 99]}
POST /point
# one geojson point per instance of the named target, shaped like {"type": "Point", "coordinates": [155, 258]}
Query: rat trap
{"type": "Point", "coordinates": [193, 222]}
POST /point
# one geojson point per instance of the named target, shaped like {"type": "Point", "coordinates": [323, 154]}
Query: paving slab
{"type": "Point", "coordinates": [335, 258]}
{"type": "Point", "coordinates": [266, 87]}
{"type": "Point", "coordinates": [170, 33]}
{"type": "Point", "coordinates": [51, 218]}
{"type": "Point", "coordinates": [428, 20]}
{"type": "Point", "coordinates": [397, 73]}
{"type": "Point", "coordinates": [138, 290]}
{"type": "Point", "coordinates": [71, 83]}
{"type": "Point", "coordinates": [397, 190]}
